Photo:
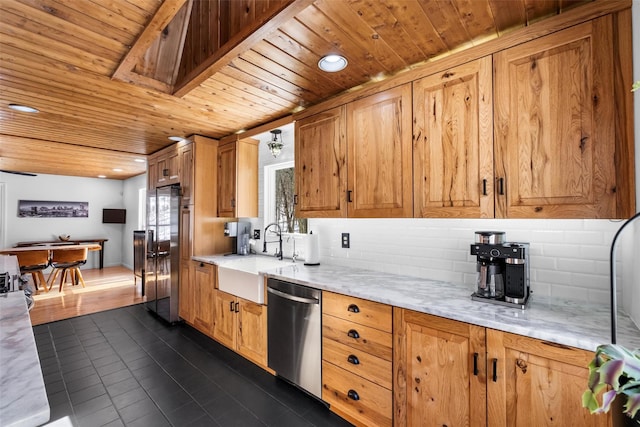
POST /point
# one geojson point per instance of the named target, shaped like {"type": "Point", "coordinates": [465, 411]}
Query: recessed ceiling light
{"type": "Point", "coordinates": [117, 170]}
{"type": "Point", "coordinates": [332, 63]}
{"type": "Point", "coordinates": [139, 160]}
{"type": "Point", "coordinates": [102, 176]}
{"type": "Point", "coordinates": [23, 108]}
{"type": "Point", "coordinates": [176, 138]}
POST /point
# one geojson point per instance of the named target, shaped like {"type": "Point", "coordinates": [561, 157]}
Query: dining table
{"type": "Point", "coordinates": [70, 241]}
{"type": "Point", "coordinates": [51, 247]}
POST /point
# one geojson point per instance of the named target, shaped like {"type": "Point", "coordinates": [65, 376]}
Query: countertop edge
{"type": "Point", "coordinates": [566, 322]}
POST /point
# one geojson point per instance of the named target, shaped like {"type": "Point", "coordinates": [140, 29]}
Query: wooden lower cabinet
{"type": "Point", "coordinates": [357, 359]}
{"type": "Point", "coordinates": [203, 293]}
{"type": "Point", "coordinates": [185, 297]}
{"type": "Point", "coordinates": [241, 325]}
{"type": "Point", "coordinates": [537, 383]}
{"type": "Point", "coordinates": [359, 401]}
{"type": "Point", "coordinates": [456, 374]}
{"type": "Point", "coordinates": [435, 383]}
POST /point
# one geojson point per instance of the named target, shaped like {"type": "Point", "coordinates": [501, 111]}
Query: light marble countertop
{"type": "Point", "coordinates": [566, 322]}
{"type": "Point", "coordinates": [23, 398]}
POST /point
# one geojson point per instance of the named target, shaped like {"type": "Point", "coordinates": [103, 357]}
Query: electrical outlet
{"type": "Point", "coordinates": [256, 234]}
{"type": "Point", "coordinates": [345, 240]}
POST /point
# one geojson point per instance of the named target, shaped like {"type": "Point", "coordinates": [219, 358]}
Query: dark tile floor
{"type": "Point", "coordinates": [124, 367]}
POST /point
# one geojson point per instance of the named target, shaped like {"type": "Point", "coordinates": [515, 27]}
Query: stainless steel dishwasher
{"type": "Point", "coordinates": [295, 334]}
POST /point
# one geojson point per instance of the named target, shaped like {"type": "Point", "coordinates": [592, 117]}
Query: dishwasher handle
{"type": "Point", "coordinates": [293, 297]}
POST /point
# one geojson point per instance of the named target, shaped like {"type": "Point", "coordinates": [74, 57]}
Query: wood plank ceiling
{"type": "Point", "coordinates": [113, 79]}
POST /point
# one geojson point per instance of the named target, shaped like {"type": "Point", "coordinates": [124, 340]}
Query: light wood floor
{"type": "Point", "coordinates": [109, 288]}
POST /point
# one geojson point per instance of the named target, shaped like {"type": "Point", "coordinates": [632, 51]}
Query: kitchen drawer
{"type": "Point", "coordinates": [364, 312]}
{"type": "Point", "coordinates": [356, 399]}
{"type": "Point", "coordinates": [363, 338]}
{"type": "Point", "coordinates": [360, 363]}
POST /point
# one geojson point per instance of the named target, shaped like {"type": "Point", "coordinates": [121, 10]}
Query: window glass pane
{"type": "Point", "coordinates": [284, 206]}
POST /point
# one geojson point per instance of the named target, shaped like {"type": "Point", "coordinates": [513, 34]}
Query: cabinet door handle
{"type": "Point", "coordinates": [231, 306]}
{"type": "Point", "coordinates": [353, 308]}
{"type": "Point", "coordinates": [484, 187]}
{"type": "Point", "coordinates": [237, 310]}
{"type": "Point", "coordinates": [501, 186]}
{"type": "Point", "coordinates": [353, 359]}
{"type": "Point", "coordinates": [475, 364]}
{"type": "Point", "coordinates": [353, 334]}
{"type": "Point", "coordinates": [353, 395]}
{"type": "Point", "coordinates": [295, 199]}
{"type": "Point", "coordinates": [495, 370]}
{"type": "Point", "coordinates": [233, 203]}
{"type": "Point", "coordinates": [349, 196]}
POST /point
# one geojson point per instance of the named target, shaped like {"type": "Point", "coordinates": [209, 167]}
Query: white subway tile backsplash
{"type": "Point", "coordinates": [585, 237]}
{"type": "Point", "coordinates": [576, 265]}
{"type": "Point", "coordinates": [548, 236]}
{"type": "Point", "coordinates": [554, 277]}
{"type": "Point", "coordinates": [568, 258]}
{"type": "Point", "coordinates": [570, 292]}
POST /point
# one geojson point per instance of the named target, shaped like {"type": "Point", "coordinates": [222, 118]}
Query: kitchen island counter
{"type": "Point", "coordinates": [567, 322]}
{"type": "Point", "coordinates": [23, 398]}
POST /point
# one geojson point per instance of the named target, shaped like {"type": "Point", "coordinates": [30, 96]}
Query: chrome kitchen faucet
{"type": "Point", "coordinates": [279, 233]}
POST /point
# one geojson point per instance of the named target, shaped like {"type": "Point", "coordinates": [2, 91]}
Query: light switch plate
{"type": "Point", "coordinates": [346, 241]}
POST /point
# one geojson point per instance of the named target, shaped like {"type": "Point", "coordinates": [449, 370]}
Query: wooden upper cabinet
{"type": "Point", "coordinates": [227, 180]}
{"type": "Point", "coordinates": [555, 126]}
{"type": "Point", "coordinates": [379, 158]}
{"type": "Point", "coordinates": [453, 142]}
{"type": "Point", "coordinates": [152, 172]}
{"type": "Point", "coordinates": [321, 154]}
{"type": "Point", "coordinates": [185, 156]}
{"type": "Point", "coordinates": [168, 167]}
{"type": "Point", "coordinates": [238, 179]}
{"type": "Point", "coordinates": [537, 383]}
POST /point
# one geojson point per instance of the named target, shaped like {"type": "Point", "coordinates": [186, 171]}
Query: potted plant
{"type": "Point", "coordinates": [614, 372]}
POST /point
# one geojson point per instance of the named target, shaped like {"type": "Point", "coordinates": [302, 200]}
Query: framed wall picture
{"type": "Point", "coordinates": [52, 209]}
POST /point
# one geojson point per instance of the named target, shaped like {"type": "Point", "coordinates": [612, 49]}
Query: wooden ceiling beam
{"type": "Point", "coordinates": [239, 44]}
{"type": "Point", "coordinates": [165, 13]}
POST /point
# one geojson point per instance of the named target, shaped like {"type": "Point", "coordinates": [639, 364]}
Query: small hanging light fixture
{"type": "Point", "coordinates": [275, 145]}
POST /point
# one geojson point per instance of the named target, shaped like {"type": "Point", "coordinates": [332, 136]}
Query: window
{"type": "Point", "coordinates": [279, 191]}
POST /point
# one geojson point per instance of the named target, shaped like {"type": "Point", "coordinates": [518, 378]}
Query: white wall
{"type": "Point", "coordinates": [99, 193]}
{"type": "Point", "coordinates": [130, 194]}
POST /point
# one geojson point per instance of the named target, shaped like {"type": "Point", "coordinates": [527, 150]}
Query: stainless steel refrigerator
{"type": "Point", "coordinates": [161, 282]}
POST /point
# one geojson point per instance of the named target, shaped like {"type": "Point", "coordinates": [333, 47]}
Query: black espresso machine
{"type": "Point", "coordinates": [502, 270]}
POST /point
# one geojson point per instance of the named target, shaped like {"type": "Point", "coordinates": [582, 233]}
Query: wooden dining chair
{"type": "Point", "coordinates": [34, 263]}
{"type": "Point", "coordinates": [67, 262]}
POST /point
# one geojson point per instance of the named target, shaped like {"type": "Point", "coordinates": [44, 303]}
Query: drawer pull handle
{"type": "Point", "coordinates": [484, 187]}
{"type": "Point", "coordinates": [353, 334]}
{"type": "Point", "coordinates": [475, 364]}
{"type": "Point", "coordinates": [353, 359]}
{"type": "Point", "coordinates": [501, 186]}
{"type": "Point", "coordinates": [352, 394]}
{"type": "Point", "coordinates": [353, 308]}
{"type": "Point", "coordinates": [495, 370]}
